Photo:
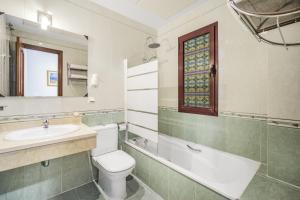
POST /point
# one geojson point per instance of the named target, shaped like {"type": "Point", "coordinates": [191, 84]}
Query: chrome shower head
{"type": "Point", "coordinates": [151, 44]}
{"type": "Point", "coordinates": [154, 45]}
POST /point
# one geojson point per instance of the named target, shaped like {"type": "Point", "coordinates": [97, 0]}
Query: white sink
{"type": "Point", "coordinates": [39, 133]}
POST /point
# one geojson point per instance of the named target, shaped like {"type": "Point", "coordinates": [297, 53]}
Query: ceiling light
{"type": "Point", "coordinates": [44, 20]}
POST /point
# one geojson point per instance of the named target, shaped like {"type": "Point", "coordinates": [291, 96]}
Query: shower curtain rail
{"type": "Point", "coordinates": [266, 14]}
{"type": "Point", "coordinates": [244, 17]}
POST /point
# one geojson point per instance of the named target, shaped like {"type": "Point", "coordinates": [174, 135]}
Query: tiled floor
{"type": "Point", "coordinates": [135, 191]}
{"type": "Point", "coordinates": [85, 192]}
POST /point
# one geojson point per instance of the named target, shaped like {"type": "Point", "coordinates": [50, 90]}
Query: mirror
{"type": "Point", "coordinates": [41, 63]}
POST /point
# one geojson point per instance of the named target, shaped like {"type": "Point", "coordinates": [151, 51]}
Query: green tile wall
{"type": "Point", "coordinates": [284, 154]}
{"type": "Point", "coordinates": [75, 171]}
{"type": "Point", "coordinates": [231, 134]}
{"type": "Point", "coordinates": [35, 182]}
{"type": "Point", "coordinates": [264, 188]}
{"type": "Point", "coordinates": [171, 185]}
{"type": "Point", "coordinates": [103, 118]}
{"type": "Point", "coordinates": [277, 148]}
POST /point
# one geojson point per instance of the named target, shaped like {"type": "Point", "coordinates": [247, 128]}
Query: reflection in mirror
{"type": "Point", "coordinates": [36, 62]}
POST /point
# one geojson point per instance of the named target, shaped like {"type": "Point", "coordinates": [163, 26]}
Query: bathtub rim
{"type": "Point", "coordinates": [185, 172]}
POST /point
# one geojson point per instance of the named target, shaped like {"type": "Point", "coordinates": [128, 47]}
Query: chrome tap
{"type": "Point", "coordinates": [145, 142]}
{"type": "Point", "coordinates": [46, 123]}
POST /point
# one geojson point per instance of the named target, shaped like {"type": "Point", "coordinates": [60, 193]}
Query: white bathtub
{"type": "Point", "coordinates": [225, 173]}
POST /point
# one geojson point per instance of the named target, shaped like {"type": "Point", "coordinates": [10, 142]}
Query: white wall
{"type": "Point", "coordinates": [253, 77]}
{"type": "Point", "coordinates": [111, 38]}
{"type": "Point", "coordinates": [283, 76]}
{"type": "Point", "coordinates": [36, 65]}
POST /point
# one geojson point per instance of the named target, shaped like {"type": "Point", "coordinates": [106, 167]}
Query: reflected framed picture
{"type": "Point", "coordinates": [52, 78]}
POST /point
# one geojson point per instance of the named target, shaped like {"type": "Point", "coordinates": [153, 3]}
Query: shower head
{"type": "Point", "coordinates": [151, 44]}
{"type": "Point", "coordinates": [11, 27]}
{"type": "Point", "coordinates": [154, 45]}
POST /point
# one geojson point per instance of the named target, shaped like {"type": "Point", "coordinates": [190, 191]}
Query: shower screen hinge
{"type": "Point", "coordinates": [45, 163]}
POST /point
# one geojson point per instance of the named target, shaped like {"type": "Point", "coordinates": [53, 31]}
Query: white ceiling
{"type": "Point", "coordinates": [164, 8]}
{"type": "Point", "coordinates": [153, 13]}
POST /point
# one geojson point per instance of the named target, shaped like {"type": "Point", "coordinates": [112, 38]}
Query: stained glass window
{"type": "Point", "coordinates": [197, 71]}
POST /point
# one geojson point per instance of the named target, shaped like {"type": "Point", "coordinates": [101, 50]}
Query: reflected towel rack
{"type": "Point", "coordinates": [250, 19]}
{"type": "Point", "coordinates": [78, 68]}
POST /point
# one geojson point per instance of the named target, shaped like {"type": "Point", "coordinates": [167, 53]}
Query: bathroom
{"type": "Point", "coordinates": [114, 119]}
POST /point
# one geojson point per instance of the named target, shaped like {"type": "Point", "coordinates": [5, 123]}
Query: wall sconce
{"type": "Point", "coordinates": [44, 19]}
{"type": "Point", "coordinates": [94, 80]}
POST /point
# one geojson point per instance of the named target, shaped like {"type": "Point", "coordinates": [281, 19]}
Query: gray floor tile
{"type": "Point", "coordinates": [85, 192]}
{"type": "Point", "coordinates": [88, 192]}
{"type": "Point", "coordinates": [132, 186]}
{"type": "Point", "coordinates": [71, 195]}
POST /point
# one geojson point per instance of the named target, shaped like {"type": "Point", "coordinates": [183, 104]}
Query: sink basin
{"type": "Point", "coordinates": [39, 133]}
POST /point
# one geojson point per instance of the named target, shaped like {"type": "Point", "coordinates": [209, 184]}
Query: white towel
{"type": "Point", "coordinates": [80, 67]}
{"type": "Point", "coordinates": [78, 76]}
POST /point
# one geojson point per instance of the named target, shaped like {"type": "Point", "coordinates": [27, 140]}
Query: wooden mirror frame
{"type": "Point", "coordinates": [20, 65]}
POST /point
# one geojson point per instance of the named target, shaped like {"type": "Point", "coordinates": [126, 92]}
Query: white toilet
{"type": "Point", "coordinates": [114, 165]}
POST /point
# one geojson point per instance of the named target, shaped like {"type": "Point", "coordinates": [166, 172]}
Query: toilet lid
{"type": "Point", "coordinates": [115, 161]}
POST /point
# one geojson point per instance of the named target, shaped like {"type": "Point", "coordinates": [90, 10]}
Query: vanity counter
{"type": "Point", "coordinates": [15, 154]}
{"type": "Point", "coordinates": [8, 145]}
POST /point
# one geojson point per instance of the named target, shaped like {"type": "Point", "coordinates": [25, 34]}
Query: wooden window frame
{"type": "Point", "coordinates": [212, 29]}
{"type": "Point", "coordinates": [20, 65]}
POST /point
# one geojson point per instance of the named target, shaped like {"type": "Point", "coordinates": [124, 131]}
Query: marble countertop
{"type": "Point", "coordinates": [10, 146]}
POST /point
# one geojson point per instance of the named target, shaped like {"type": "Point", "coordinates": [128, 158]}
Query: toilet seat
{"type": "Point", "coordinates": [116, 161]}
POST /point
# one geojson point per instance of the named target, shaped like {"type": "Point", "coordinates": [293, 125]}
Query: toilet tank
{"type": "Point", "coordinates": [107, 139]}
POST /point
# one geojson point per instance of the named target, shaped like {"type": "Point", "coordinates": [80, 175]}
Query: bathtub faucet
{"type": "Point", "coordinates": [145, 142]}
{"type": "Point", "coordinates": [193, 149]}
{"type": "Point", "coordinates": [46, 123]}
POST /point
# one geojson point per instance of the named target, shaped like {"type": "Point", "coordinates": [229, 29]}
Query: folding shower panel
{"type": "Point", "coordinates": [141, 100]}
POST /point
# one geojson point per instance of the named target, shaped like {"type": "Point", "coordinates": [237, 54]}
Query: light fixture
{"type": "Point", "coordinates": [44, 19]}
{"type": "Point", "coordinates": [94, 80]}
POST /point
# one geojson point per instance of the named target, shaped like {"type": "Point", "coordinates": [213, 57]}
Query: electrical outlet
{"type": "Point", "coordinates": [91, 99]}
{"type": "Point", "coordinates": [2, 108]}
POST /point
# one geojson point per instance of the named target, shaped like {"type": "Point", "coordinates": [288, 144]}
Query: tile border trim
{"type": "Point", "coordinates": [288, 123]}
{"type": "Point", "coordinates": [33, 117]}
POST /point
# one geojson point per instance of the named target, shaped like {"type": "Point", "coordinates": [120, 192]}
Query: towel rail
{"type": "Point", "coordinates": [266, 15]}
{"type": "Point", "coordinates": [71, 76]}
